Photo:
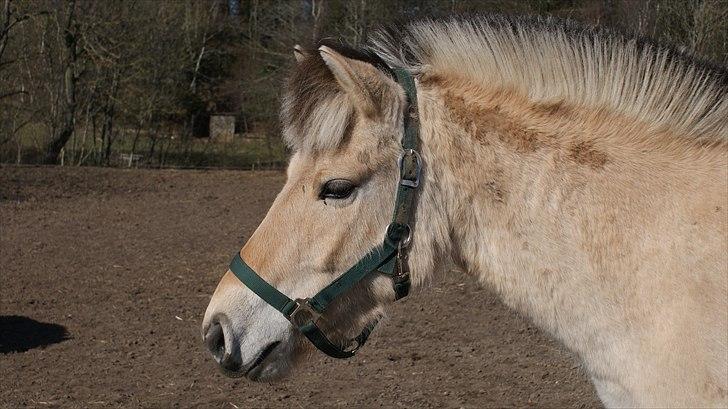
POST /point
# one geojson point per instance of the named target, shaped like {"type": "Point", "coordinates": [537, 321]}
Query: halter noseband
{"type": "Point", "coordinates": [389, 258]}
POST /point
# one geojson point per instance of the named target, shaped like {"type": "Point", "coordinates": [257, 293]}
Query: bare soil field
{"type": "Point", "coordinates": [106, 274]}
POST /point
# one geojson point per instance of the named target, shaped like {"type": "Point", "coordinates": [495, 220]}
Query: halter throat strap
{"type": "Point", "coordinates": [389, 258]}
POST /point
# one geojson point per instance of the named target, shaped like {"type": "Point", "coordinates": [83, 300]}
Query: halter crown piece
{"type": "Point", "coordinates": [389, 258]}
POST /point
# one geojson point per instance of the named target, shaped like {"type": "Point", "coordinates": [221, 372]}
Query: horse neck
{"type": "Point", "coordinates": [583, 219]}
{"type": "Point", "coordinates": [541, 201]}
{"type": "Point", "coordinates": [505, 184]}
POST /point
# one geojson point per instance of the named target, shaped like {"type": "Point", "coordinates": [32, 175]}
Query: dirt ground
{"type": "Point", "coordinates": [106, 274]}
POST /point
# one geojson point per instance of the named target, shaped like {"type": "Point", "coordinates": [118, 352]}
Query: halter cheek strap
{"type": "Point", "coordinates": [389, 258]}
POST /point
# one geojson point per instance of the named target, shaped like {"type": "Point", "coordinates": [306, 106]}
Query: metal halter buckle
{"type": "Point", "coordinates": [418, 170]}
{"type": "Point", "coordinates": [303, 313]}
{"type": "Point", "coordinates": [401, 279]}
{"type": "Point", "coordinates": [404, 243]}
{"type": "Point", "coordinates": [402, 264]}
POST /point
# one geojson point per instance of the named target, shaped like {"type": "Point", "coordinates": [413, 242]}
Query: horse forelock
{"type": "Point", "coordinates": [314, 108]}
{"type": "Point", "coordinates": [316, 114]}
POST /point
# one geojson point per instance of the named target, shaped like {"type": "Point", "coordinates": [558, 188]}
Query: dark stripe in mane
{"type": "Point", "coordinates": [310, 81]}
{"type": "Point", "coordinates": [545, 58]}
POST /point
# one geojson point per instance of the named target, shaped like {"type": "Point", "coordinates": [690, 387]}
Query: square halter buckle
{"type": "Point", "coordinates": [303, 313]}
{"type": "Point", "coordinates": [406, 176]}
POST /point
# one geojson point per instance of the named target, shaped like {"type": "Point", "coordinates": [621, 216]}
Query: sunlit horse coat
{"type": "Point", "coordinates": [582, 175]}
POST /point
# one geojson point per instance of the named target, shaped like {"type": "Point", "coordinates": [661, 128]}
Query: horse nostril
{"type": "Point", "coordinates": [215, 341]}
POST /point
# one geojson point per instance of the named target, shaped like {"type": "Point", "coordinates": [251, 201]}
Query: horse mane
{"type": "Point", "coordinates": [550, 59]}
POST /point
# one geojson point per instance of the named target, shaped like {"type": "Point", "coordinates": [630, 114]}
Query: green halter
{"type": "Point", "coordinates": [389, 258]}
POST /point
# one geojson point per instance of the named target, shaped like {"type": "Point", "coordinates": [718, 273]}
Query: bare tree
{"type": "Point", "coordinates": [96, 77]}
{"type": "Point", "coordinates": [69, 30]}
{"type": "Point", "coordinates": [9, 20]}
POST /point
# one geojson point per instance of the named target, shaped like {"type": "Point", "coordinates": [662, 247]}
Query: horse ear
{"type": "Point", "coordinates": [365, 84]}
{"type": "Point", "coordinates": [299, 53]}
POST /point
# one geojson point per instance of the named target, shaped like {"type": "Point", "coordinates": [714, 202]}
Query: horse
{"type": "Point", "coordinates": [580, 173]}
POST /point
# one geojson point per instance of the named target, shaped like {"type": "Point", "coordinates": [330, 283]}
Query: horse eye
{"type": "Point", "coordinates": [337, 189]}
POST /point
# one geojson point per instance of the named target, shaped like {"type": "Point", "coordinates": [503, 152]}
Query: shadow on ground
{"type": "Point", "coordinates": [20, 334]}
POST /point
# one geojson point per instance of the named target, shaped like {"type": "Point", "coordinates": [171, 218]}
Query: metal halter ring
{"type": "Point", "coordinates": [401, 243]}
{"type": "Point", "coordinates": [404, 243]}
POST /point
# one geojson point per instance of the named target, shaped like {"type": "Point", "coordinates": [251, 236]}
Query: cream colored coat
{"type": "Point", "coordinates": [582, 176]}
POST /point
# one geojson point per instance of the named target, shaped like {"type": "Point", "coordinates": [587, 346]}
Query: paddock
{"type": "Point", "coordinates": [106, 274]}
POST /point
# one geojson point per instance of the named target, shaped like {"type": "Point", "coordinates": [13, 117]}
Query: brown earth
{"type": "Point", "coordinates": [106, 274]}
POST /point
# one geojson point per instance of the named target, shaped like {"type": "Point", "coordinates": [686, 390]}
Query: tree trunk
{"type": "Point", "coordinates": [59, 139]}
{"type": "Point", "coordinates": [63, 133]}
{"type": "Point", "coordinates": [109, 126]}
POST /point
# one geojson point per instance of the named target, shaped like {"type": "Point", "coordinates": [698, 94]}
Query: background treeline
{"type": "Point", "coordinates": [93, 82]}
